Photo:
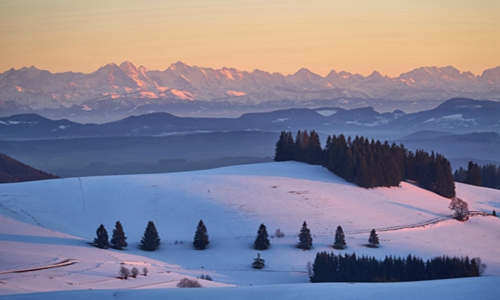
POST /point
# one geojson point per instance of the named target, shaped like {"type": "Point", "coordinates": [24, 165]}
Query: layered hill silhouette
{"type": "Point", "coordinates": [12, 170]}
{"type": "Point", "coordinates": [458, 115]}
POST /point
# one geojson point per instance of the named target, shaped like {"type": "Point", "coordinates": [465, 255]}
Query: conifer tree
{"type": "Point", "coordinates": [118, 240]}
{"type": "Point", "coordinates": [339, 239]}
{"type": "Point", "coordinates": [150, 240]}
{"type": "Point", "coordinates": [284, 147]}
{"type": "Point", "coordinates": [201, 237]}
{"type": "Point", "coordinates": [314, 151]}
{"type": "Point", "coordinates": [373, 239]}
{"type": "Point", "coordinates": [305, 238]}
{"type": "Point", "coordinates": [102, 239]}
{"type": "Point", "coordinates": [258, 263]}
{"type": "Point", "coordinates": [473, 174]}
{"type": "Point", "coordinates": [262, 240]}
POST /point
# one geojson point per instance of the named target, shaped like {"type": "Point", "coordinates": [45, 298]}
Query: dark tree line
{"type": "Point", "coordinates": [487, 175]}
{"type": "Point", "coordinates": [369, 163]}
{"type": "Point", "coordinates": [329, 267]}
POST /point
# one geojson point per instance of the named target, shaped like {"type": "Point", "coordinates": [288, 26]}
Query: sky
{"type": "Point", "coordinates": [358, 36]}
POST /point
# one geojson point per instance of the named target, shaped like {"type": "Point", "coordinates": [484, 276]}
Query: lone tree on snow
{"type": "Point", "coordinates": [201, 237]}
{"type": "Point", "coordinates": [118, 241]}
{"type": "Point", "coordinates": [461, 209]}
{"type": "Point", "coordinates": [339, 239]}
{"type": "Point", "coordinates": [373, 239]}
{"type": "Point", "coordinates": [101, 241]}
{"type": "Point", "coordinates": [262, 240]}
{"type": "Point", "coordinates": [258, 263]}
{"type": "Point", "coordinates": [150, 241]}
{"type": "Point", "coordinates": [305, 238]}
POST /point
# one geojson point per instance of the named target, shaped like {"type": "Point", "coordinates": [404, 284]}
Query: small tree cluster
{"type": "Point", "coordinates": [461, 209]}
{"type": "Point", "coordinates": [262, 239]}
{"type": "Point", "coordinates": [201, 237]}
{"type": "Point", "coordinates": [188, 283]}
{"type": "Point", "coordinates": [305, 148]}
{"type": "Point", "coordinates": [206, 277]}
{"type": "Point", "coordinates": [118, 240]}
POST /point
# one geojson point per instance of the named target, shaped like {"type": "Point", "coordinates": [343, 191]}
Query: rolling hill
{"type": "Point", "coordinates": [50, 222]}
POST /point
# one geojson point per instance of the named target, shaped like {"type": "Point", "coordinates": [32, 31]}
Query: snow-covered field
{"type": "Point", "coordinates": [45, 227]}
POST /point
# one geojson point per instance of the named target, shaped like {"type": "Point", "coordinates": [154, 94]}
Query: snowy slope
{"type": "Point", "coordinates": [43, 223]}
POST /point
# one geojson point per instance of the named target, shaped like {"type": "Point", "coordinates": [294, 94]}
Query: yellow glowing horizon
{"type": "Point", "coordinates": [357, 36]}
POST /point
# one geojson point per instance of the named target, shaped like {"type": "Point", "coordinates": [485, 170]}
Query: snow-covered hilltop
{"type": "Point", "coordinates": [113, 86]}
{"type": "Point", "coordinates": [48, 223]}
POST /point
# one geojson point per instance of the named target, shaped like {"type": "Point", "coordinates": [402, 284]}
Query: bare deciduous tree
{"type": "Point", "coordinates": [461, 209]}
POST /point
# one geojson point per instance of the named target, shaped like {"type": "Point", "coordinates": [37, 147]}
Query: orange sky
{"type": "Point", "coordinates": [272, 35]}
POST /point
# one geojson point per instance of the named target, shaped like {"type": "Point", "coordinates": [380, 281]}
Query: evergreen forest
{"type": "Point", "coordinates": [329, 267]}
{"type": "Point", "coordinates": [369, 163]}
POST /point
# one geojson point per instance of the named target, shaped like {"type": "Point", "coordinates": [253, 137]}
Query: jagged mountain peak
{"type": "Point", "coordinates": [332, 74]}
{"type": "Point", "coordinates": [179, 65]}
{"type": "Point", "coordinates": [304, 72]}
{"type": "Point", "coordinates": [492, 75]}
{"type": "Point", "coordinates": [127, 65]}
{"type": "Point", "coordinates": [375, 75]}
{"type": "Point", "coordinates": [431, 73]}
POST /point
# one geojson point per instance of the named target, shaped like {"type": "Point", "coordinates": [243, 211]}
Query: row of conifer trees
{"type": "Point", "coordinates": [369, 163]}
{"type": "Point", "coordinates": [151, 239]}
{"type": "Point", "coordinates": [329, 267]}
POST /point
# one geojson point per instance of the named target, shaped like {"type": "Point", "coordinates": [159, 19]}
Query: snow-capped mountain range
{"type": "Point", "coordinates": [114, 86]}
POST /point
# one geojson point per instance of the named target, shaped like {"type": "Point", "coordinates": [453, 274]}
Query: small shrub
{"type": "Point", "coordinates": [373, 239]}
{"type": "Point", "coordinates": [258, 263]}
{"type": "Point", "coordinates": [134, 272]}
{"type": "Point", "coordinates": [124, 272]}
{"type": "Point", "coordinates": [188, 283]}
{"type": "Point", "coordinates": [309, 269]}
{"type": "Point", "coordinates": [278, 233]}
{"type": "Point", "coordinates": [145, 271]}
